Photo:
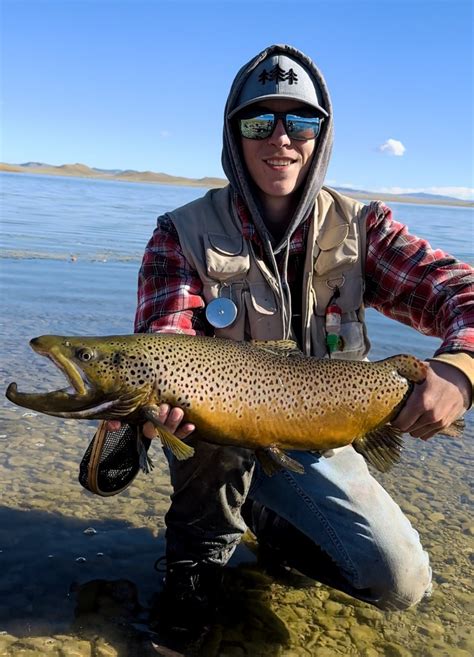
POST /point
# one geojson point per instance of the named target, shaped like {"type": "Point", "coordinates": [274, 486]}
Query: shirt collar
{"type": "Point", "coordinates": [249, 232]}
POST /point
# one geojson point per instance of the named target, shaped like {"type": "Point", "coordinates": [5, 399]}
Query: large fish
{"type": "Point", "coordinates": [265, 396]}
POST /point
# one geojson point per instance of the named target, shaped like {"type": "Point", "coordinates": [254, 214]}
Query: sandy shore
{"type": "Point", "coordinates": [83, 171]}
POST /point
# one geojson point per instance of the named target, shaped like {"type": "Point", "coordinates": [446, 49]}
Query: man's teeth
{"type": "Point", "coordinates": [279, 163]}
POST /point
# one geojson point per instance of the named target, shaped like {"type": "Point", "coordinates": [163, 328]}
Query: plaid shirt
{"type": "Point", "coordinates": [405, 279]}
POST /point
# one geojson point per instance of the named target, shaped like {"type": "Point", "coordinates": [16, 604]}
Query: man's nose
{"type": "Point", "coordinates": [279, 135]}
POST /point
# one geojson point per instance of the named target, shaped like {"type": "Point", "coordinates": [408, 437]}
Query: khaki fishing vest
{"type": "Point", "coordinates": [210, 234]}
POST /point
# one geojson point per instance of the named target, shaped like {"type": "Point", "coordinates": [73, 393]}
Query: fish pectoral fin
{"type": "Point", "coordinates": [126, 403]}
{"type": "Point", "coordinates": [278, 347]}
{"type": "Point", "coordinates": [381, 447]}
{"type": "Point", "coordinates": [179, 449]}
{"type": "Point", "coordinates": [273, 459]}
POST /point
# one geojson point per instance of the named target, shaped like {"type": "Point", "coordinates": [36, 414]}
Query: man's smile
{"type": "Point", "coordinates": [279, 162]}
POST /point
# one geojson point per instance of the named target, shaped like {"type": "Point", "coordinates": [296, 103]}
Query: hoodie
{"type": "Point", "coordinates": [235, 168]}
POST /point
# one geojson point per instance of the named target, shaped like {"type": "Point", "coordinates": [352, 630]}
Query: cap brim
{"type": "Point", "coordinates": [260, 99]}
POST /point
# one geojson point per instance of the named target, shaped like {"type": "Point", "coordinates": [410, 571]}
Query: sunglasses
{"type": "Point", "coordinates": [261, 126]}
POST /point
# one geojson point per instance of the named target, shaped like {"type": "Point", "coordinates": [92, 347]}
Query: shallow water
{"type": "Point", "coordinates": [66, 591]}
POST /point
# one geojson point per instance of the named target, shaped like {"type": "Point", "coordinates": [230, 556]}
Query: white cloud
{"type": "Point", "coordinates": [165, 134]}
{"type": "Point", "coordinates": [393, 147]}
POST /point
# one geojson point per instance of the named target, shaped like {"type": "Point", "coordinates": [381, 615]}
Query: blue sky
{"type": "Point", "coordinates": [141, 84]}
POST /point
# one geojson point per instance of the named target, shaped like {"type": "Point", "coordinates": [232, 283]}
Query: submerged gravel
{"type": "Point", "coordinates": [77, 570]}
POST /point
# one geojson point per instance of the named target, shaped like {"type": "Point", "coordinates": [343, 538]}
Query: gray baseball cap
{"type": "Point", "coordinates": [280, 76]}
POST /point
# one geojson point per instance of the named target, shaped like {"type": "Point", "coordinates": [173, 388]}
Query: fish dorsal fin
{"type": "Point", "coordinates": [410, 367]}
{"type": "Point", "coordinates": [278, 347]}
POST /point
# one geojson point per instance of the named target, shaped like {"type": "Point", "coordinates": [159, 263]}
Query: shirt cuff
{"type": "Point", "coordinates": [461, 361]}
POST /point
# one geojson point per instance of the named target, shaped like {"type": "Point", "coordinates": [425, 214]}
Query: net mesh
{"type": "Point", "coordinates": [113, 459]}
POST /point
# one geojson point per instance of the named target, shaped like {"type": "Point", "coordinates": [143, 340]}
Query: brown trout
{"type": "Point", "coordinates": [264, 396]}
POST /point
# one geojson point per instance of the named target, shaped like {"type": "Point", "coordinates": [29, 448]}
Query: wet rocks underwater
{"type": "Point", "coordinates": [78, 578]}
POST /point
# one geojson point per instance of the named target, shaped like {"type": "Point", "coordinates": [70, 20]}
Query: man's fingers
{"type": "Point", "coordinates": [425, 431]}
{"type": "Point", "coordinates": [113, 425]}
{"type": "Point", "coordinates": [163, 413]}
{"type": "Point", "coordinates": [149, 431]}
{"type": "Point", "coordinates": [408, 417]}
{"type": "Point", "coordinates": [185, 430]}
{"type": "Point", "coordinates": [172, 418]}
{"type": "Point", "coordinates": [175, 417]}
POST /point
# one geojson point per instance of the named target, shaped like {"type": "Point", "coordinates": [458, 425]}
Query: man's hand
{"type": "Point", "coordinates": [171, 417]}
{"type": "Point", "coordinates": [434, 404]}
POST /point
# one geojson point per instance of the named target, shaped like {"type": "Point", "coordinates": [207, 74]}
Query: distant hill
{"type": "Point", "coordinates": [407, 196]}
{"type": "Point", "coordinates": [33, 165]}
{"type": "Point", "coordinates": [130, 175]}
{"type": "Point", "coordinates": [431, 196]}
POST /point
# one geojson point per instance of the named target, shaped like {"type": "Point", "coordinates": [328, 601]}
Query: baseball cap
{"type": "Point", "coordinates": [280, 76]}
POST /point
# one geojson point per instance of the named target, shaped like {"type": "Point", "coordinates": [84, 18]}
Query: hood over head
{"type": "Point", "coordinates": [279, 71]}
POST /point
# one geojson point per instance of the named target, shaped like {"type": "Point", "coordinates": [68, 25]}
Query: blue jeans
{"type": "Point", "coordinates": [336, 503]}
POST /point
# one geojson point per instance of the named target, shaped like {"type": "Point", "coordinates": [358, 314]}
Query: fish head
{"type": "Point", "coordinates": [104, 384]}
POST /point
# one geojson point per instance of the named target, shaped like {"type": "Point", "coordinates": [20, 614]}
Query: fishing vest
{"type": "Point", "coordinates": [210, 234]}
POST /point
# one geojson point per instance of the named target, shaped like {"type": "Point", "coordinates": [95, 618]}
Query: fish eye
{"type": "Point", "coordinates": [85, 354]}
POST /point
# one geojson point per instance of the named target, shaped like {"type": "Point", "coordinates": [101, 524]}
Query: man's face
{"type": "Point", "coordinates": [278, 165]}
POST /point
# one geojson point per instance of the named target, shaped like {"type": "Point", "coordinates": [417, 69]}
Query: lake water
{"type": "Point", "coordinates": [70, 252]}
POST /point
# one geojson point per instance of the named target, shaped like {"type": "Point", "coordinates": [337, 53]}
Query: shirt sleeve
{"type": "Point", "coordinates": [426, 288]}
{"type": "Point", "coordinates": [169, 290]}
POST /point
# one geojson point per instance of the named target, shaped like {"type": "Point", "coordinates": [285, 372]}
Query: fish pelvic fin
{"type": "Point", "coordinates": [179, 448]}
{"type": "Point", "coordinates": [381, 447]}
{"type": "Point", "coordinates": [273, 459]}
{"type": "Point", "coordinates": [410, 367]}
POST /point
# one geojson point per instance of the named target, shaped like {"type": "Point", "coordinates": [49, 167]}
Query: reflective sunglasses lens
{"type": "Point", "coordinates": [301, 127]}
{"type": "Point", "coordinates": [257, 127]}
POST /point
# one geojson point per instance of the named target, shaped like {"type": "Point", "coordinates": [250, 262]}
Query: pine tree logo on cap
{"type": "Point", "coordinates": [278, 74]}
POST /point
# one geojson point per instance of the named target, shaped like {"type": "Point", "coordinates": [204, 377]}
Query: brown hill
{"type": "Point", "coordinates": [83, 171]}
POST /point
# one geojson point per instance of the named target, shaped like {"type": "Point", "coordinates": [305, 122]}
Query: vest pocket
{"type": "Point", "coordinates": [353, 337]}
{"type": "Point", "coordinates": [227, 256]}
{"type": "Point", "coordinates": [263, 299]}
{"type": "Point", "coordinates": [339, 250]}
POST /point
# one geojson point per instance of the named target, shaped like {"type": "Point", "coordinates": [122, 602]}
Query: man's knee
{"type": "Point", "coordinates": [406, 583]}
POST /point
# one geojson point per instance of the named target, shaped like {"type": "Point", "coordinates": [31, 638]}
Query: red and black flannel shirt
{"type": "Point", "coordinates": [405, 279]}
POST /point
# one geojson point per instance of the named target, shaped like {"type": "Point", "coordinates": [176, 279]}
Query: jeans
{"type": "Point", "coordinates": [336, 503]}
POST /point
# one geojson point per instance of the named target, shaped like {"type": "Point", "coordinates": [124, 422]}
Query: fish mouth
{"type": "Point", "coordinates": [78, 400]}
{"type": "Point", "coordinates": [82, 399]}
{"type": "Point", "coordinates": [76, 377]}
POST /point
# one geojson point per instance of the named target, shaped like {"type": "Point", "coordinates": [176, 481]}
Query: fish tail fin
{"type": "Point", "coordinates": [381, 447]}
{"type": "Point", "coordinates": [455, 429]}
{"type": "Point", "coordinates": [412, 368]}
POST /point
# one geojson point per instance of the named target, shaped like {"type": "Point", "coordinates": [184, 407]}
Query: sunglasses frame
{"type": "Point", "coordinates": [276, 117]}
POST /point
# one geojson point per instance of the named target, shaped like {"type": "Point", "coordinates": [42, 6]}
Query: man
{"type": "Point", "coordinates": [275, 249]}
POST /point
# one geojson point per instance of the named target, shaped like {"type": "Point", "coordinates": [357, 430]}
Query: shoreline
{"type": "Point", "coordinates": [150, 177]}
